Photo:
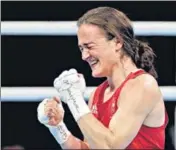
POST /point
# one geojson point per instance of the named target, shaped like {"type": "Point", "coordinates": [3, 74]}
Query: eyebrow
{"type": "Point", "coordinates": [86, 44]}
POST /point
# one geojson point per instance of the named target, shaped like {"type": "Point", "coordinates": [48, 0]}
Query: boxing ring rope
{"type": "Point", "coordinates": [32, 94]}
{"type": "Point", "coordinates": [68, 28]}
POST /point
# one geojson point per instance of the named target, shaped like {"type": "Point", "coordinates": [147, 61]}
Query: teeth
{"type": "Point", "coordinates": [93, 62]}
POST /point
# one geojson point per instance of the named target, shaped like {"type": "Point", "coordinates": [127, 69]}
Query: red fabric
{"type": "Point", "coordinates": [147, 137]}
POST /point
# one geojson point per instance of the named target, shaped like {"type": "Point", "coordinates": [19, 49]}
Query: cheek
{"type": "Point", "coordinates": [107, 64]}
{"type": "Point", "coordinates": [109, 59]}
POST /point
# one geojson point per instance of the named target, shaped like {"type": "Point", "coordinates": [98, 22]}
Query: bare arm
{"type": "Point", "coordinates": [135, 104]}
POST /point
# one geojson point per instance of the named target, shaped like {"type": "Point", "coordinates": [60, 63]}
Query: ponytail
{"type": "Point", "coordinates": [144, 57]}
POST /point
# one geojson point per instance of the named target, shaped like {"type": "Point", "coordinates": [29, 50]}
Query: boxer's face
{"type": "Point", "coordinates": [100, 53]}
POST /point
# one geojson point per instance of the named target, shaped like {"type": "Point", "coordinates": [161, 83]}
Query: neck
{"type": "Point", "coordinates": [119, 74]}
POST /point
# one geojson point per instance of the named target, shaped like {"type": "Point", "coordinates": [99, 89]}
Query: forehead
{"type": "Point", "coordinates": [87, 33]}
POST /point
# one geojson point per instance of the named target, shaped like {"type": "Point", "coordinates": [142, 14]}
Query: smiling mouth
{"type": "Point", "coordinates": [93, 63]}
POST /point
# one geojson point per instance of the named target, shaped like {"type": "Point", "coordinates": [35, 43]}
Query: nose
{"type": "Point", "coordinates": [85, 54]}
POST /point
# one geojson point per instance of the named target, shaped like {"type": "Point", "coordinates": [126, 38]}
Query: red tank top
{"type": "Point", "coordinates": [147, 137]}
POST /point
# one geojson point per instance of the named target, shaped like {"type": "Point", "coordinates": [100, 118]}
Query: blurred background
{"type": "Point", "coordinates": [35, 60]}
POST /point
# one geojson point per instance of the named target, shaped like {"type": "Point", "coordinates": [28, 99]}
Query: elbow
{"type": "Point", "coordinates": [114, 142]}
{"type": "Point", "coordinates": [107, 142]}
{"type": "Point", "coordinates": [102, 142]}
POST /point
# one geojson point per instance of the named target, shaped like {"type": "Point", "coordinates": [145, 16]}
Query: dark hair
{"type": "Point", "coordinates": [116, 24]}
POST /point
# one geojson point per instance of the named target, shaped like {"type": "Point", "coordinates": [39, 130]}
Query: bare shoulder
{"type": "Point", "coordinates": [141, 90]}
{"type": "Point", "coordinates": [149, 85]}
{"type": "Point", "coordinates": [144, 82]}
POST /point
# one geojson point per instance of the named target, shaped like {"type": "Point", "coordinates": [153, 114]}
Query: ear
{"type": "Point", "coordinates": [118, 44]}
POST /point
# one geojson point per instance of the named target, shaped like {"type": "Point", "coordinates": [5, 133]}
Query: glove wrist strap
{"type": "Point", "coordinates": [77, 105]}
{"type": "Point", "coordinates": [60, 132]}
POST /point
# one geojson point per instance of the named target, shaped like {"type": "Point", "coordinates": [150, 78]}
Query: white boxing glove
{"type": "Point", "coordinates": [68, 79]}
{"type": "Point", "coordinates": [41, 113]}
{"type": "Point", "coordinates": [71, 85]}
{"type": "Point", "coordinates": [60, 131]}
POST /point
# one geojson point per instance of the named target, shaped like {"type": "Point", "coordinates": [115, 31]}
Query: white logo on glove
{"type": "Point", "coordinates": [68, 85]}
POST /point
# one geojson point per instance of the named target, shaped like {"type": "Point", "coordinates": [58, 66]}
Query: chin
{"type": "Point", "coordinates": [97, 74]}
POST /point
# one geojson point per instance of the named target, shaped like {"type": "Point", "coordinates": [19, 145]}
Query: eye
{"type": "Point", "coordinates": [86, 47]}
{"type": "Point", "coordinates": [89, 47]}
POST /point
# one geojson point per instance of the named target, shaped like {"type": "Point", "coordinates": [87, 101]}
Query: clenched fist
{"type": "Point", "coordinates": [50, 112]}
{"type": "Point", "coordinates": [71, 86]}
